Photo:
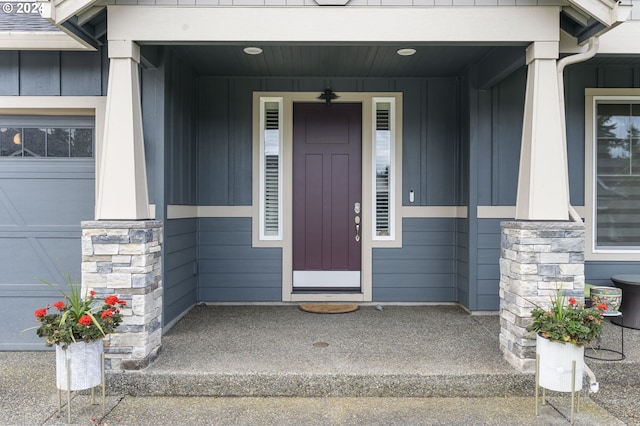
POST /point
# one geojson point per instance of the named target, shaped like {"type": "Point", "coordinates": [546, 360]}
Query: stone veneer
{"type": "Point", "coordinates": [124, 258]}
{"type": "Point", "coordinates": [537, 258]}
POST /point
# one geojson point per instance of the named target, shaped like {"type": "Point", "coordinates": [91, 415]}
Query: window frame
{"type": "Point", "coordinates": [391, 196]}
{"type": "Point", "coordinates": [46, 122]}
{"type": "Point", "coordinates": [262, 170]}
{"type": "Point", "coordinates": [593, 97]}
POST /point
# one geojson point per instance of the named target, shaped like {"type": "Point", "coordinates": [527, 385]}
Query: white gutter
{"type": "Point", "coordinates": [594, 42]}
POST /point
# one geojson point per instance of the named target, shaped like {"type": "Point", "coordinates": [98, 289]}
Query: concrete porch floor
{"type": "Point", "coordinates": [399, 351]}
{"type": "Point", "coordinates": [402, 365]}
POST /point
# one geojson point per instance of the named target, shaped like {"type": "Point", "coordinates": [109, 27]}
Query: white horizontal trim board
{"type": "Point", "coordinates": [176, 211]}
{"type": "Point", "coordinates": [39, 41]}
{"type": "Point", "coordinates": [368, 24]}
{"type": "Point", "coordinates": [459, 212]}
{"type": "Point", "coordinates": [509, 212]}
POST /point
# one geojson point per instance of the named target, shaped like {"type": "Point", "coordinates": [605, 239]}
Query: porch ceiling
{"type": "Point", "coordinates": [333, 60]}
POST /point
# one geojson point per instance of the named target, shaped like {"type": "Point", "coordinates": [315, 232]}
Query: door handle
{"type": "Point", "coordinates": [357, 221]}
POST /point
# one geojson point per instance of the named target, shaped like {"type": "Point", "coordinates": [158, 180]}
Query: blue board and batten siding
{"type": "Point", "coordinates": [180, 261]}
{"type": "Point", "coordinates": [26, 73]}
{"type": "Point", "coordinates": [230, 269]}
{"type": "Point", "coordinates": [424, 269]}
{"type": "Point", "coordinates": [430, 167]}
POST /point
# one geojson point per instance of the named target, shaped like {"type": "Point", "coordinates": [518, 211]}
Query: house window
{"type": "Point", "coordinates": [271, 168]}
{"type": "Point", "coordinates": [383, 168]}
{"type": "Point", "coordinates": [617, 175]}
{"type": "Point", "coordinates": [46, 137]}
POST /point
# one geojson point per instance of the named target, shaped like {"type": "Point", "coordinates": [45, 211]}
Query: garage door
{"type": "Point", "coordinates": [46, 189]}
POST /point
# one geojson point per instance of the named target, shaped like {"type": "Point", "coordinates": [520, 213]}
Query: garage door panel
{"type": "Point", "coordinates": [42, 203]}
{"type": "Point", "coordinates": [18, 316]}
{"type": "Point", "coordinates": [30, 198]}
{"type": "Point", "coordinates": [25, 259]}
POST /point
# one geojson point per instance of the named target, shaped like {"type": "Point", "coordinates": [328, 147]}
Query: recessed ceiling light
{"type": "Point", "coordinates": [252, 50]}
{"type": "Point", "coordinates": [406, 52]}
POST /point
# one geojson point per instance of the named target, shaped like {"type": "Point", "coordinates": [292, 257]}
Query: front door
{"type": "Point", "coordinates": [327, 187]}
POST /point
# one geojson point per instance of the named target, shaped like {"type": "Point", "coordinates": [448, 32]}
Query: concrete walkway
{"type": "Point", "coordinates": [399, 365]}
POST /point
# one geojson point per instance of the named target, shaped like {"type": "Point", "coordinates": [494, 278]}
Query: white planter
{"type": "Point", "coordinates": [80, 365]}
{"type": "Point", "coordinates": [555, 371]}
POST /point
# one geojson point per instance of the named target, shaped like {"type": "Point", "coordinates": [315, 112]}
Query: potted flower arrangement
{"type": "Point", "coordinates": [562, 331]}
{"type": "Point", "coordinates": [76, 326]}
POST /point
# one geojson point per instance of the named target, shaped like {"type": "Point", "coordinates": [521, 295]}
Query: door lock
{"type": "Point", "coordinates": [356, 208]}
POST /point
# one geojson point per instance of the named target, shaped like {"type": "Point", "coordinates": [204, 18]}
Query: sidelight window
{"type": "Point", "coordinates": [271, 168]}
{"type": "Point", "coordinates": [383, 159]}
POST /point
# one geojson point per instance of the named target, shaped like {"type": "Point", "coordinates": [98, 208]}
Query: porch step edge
{"type": "Point", "coordinates": [320, 385]}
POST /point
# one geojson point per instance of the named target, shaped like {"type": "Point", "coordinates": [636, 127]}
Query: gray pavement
{"type": "Point", "coordinates": [263, 365]}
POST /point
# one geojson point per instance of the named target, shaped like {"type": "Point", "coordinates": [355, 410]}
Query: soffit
{"type": "Point", "coordinates": [327, 61]}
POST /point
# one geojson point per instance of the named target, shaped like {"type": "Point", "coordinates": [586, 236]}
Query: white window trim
{"type": "Point", "coordinates": [286, 244]}
{"type": "Point", "coordinates": [263, 102]}
{"type": "Point", "coordinates": [592, 96]}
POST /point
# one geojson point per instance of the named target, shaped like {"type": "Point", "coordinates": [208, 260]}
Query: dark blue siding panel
{"type": "Point", "coordinates": [230, 270]}
{"type": "Point", "coordinates": [508, 112]}
{"type": "Point", "coordinates": [442, 139]}
{"type": "Point", "coordinates": [39, 73]}
{"type": "Point", "coordinates": [488, 264]}
{"type": "Point", "coordinates": [180, 257]}
{"type": "Point", "coordinates": [462, 261]}
{"type": "Point", "coordinates": [9, 73]}
{"type": "Point", "coordinates": [423, 270]}
{"type": "Point", "coordinates": [576, 79]}
{"type": "Point", "coordinates": [413, 139]}
{"type": "Point", "coordinates": [430, 136]}
{"type": "Point", "coordinates": [181, 133]}
{"type": "Point", "coordinates": [80, 73]}
{"type": "Point", "coordinates": [241, 141]}
{"type": "Point", "coordinates": [600, 273]}
{"type": "Point", "coordinates": [153, 123]}
{"type": "Point", "coordinates": [213, 142]}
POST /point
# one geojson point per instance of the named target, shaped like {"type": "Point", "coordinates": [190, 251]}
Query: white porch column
{"type": "Point", "coordinates": [122, 177]}
{"type": "Point", "coordinates": [543, 182]}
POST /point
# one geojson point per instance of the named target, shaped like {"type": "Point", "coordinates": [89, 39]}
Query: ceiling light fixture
{"type": "Point", "coordinates": [406, 52]}
{"type": "Point", "coordinates": [252, 50]}
{"type": "Point", "coordinates": [328, 95]}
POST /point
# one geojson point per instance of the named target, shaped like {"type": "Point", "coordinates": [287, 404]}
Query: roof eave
{"type": "Point", "coordinates": [40, 40]}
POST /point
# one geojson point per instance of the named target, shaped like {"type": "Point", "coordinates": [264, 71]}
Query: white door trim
{"type": "Point", "coordinates": [286, 244]}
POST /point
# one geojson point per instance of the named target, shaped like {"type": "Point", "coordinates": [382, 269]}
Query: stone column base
{"type": "Point", "coordinates": [124, 258]}
{"type": "Point", "coordinates": [537, 259]}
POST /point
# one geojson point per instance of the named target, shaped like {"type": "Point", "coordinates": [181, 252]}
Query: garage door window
{"type": "Point", "coordinates": [18, 140]}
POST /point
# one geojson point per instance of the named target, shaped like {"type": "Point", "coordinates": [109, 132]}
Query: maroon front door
{"type": "Point", "coordinates": [327, 187]}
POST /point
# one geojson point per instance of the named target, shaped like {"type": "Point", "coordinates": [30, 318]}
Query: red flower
{"type": "Point", "coordinates": [107, 313]}
{"type": "Point", "coordinates": [85, 320]}
{"type": "Point", "coordinates": [41, 312]}
{"type": "Point", "coordinates": [59, 305]}
{"type": "Point", "coordinates": [602, 306]}
{"type": "Point", "coordinates": [122, 302]}
{"type": "Point", "coordinates": [572, 301]}
{"type": "Point", "coordinates": [92, 293]}
{"type": "Point", "coordinates": [111, 300]}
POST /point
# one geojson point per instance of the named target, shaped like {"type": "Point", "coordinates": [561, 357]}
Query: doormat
{"type": "Point", "coordinates": [323, 308]}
